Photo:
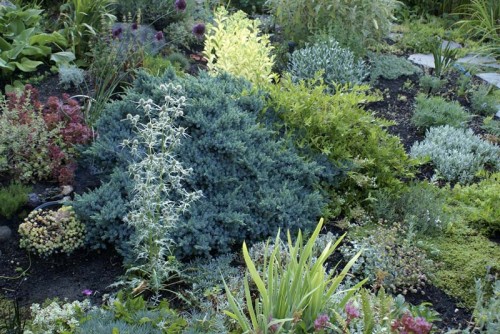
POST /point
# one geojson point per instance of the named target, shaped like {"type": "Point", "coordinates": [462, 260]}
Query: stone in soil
{"type": "Point", "coordinates": [479, 61]}
{"type": "Point", "coordinates": [491, 78]}
{"type": "Point", "coordinates": [426, 60]}
{"type": "Point", "coordinates": [5, 233]}
{"type": "Point", "coordinates": [450, 44]}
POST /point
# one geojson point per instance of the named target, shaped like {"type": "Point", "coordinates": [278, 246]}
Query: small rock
{"type": "Point", "coordinates": [450, 44]}
{"type": "Point", "coordinates": [491, 78]}
{"type": "Point", "coordinates": [479, 61]}
{"type": "Point", "coordinates": [66, 190]}
{"type": "Point", "coordinates": [5, 233]}
{"type": "Point", "coordinates": [422, 59]}
{"type": "Point", "coordinates": [34, 200]}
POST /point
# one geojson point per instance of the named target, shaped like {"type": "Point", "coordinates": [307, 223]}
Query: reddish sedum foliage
{"type": "Point", "coordinates": [62, 123]}
{"type": "Point", "coordinates": [67, 113]}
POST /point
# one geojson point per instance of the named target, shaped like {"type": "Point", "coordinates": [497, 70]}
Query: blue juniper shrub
{"type": "Point", "coordinates": [252, 180]}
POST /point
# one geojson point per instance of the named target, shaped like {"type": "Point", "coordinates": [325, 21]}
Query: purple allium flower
{"type": "Point", "coordinates": [180, 5]}
{"type": "Point", "coordinates": [199, 30]}
{"type": "Point", "coordinates": [117, 32]}
{"type": "Point", "coordinates": [321, 322]}
{"type": "Point", "coordinates": [135, 26]}
{"type": "Point", "coordinates": [87, 292]}
{"type": "Point", "coordinates": [352, 311]}
{"type": "Point", "coordinates": [159, 36]}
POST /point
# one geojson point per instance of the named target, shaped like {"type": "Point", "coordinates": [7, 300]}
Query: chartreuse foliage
{"type": "Point", "coordinates": [23, 44]}
{"type": "Point", "coordinates": [292, 292]}
{"type": "Point", "coordinates": [478, 204]}
{"type": "Point", "coordinates": [338, 127]}
{"type": "Point", "coordinates": [464, 256]}
{"type": "Point", "coordinates": [235, 44]}
{"type": "Point", "coordinates": [12, 198]}
{"type": "Point", "coordinates": [252, 182]}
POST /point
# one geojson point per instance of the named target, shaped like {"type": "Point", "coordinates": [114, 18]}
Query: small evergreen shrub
{"type": "Point", "coordinates": [234, 44]}
{"type": "Point", "coordinates": [436, 111]}
{"type": "Point", "coordinates": [390, 67]}
{"type": "Point", "coordinates": [477, 203]}
{"type": "Point", "coordinates": [251, 180]}
{"type": "Point", "coordinates": [12, 198]}
{"type": "Point", "coordinates": [71, 76]}
{"type": "Point", "coordinates": [338, 65]}
{"type": "Point", "coordinates": [180, 61]}
{"type": "Point", "coordinates": [431, 84]}
{"type": "Point", "coordinates": [483, 101]}
{"type": "Point", "coordinates": [155, 65]}
{"type": "Point", "coordinates": [48, 232]}
{"type": "Point", "coordinates": [457, 154]}
{"type": "Point", "coordinates": [338, 127]}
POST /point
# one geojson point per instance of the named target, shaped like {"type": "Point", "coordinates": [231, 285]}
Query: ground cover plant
{"type": "Point", "coordinates": [163, 165]}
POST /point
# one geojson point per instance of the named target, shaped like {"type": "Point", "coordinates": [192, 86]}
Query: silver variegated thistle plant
{"type": "Point", "coordinates": [159, 196]}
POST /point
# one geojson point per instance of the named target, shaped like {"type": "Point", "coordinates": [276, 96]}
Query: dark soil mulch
{"type": "Point", "coordinates": [452, 317]}
{"type": "Point", "coordinates": [59, 276]}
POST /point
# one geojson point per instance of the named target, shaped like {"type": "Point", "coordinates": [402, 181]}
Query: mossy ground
{"type": "Point", "coordinates": [464, 256]}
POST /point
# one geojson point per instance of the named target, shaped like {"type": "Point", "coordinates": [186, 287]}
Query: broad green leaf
{"type": "Point", "coordinates": [62, 57]}
{"type": "Point", "coordinates": [27, 65]}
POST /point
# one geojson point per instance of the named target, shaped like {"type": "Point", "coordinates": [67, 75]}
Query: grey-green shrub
{"type": "Point", "coordinates": [483, 102]}
{"type": "Point", "coordinates": [491, 126]}
{"type": "Point", "coordinates": [252, 181]}
{"type": "Point", "coordinates": [390, 67]}
{"type": "Point", "coordinates": [436, 111]}
{"type": "Point", "coordinates": [71, 76]}
{"type": "Point", "coordinates": [421, 205]}
{"type": "Point", "coordinates": [339, 65]}
{"type": "Point", "coordinates": [457, 154]}
{"type": "Point", "coordinates": [430, 84]}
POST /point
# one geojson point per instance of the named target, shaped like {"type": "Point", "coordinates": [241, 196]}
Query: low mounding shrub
{"type": "Point", "coordinates": [234, 44]}
{"type": "Point", "coordinates": [431, 84]}
{"type": "Point", "coordinates": [12, 198]}
{"type": "Point", "coordinates": [338, 65]}
{"type": "Point", "coordinates": [252, 182]}
{"type": "Point", "coordinates": [39, 142]}
{"type": "Point", "coordinates": [390, 67]}
{"type": "Point", "coordinates": [422, 205]}
{"type": "Point", "coordinates": [340, 129]}
{"type": "Point", "coordinates": [47, 232]}
{"type": "Point", "coordinates": [483, 101]}
{"type": "Point", "coordinates": [457, 154]}
{"type": "Point", "coordinates": [389, 261]}
{"type": "Point", "coordinates": [436, 111]}
{"type": "Point", "coordinates": [477, 203]}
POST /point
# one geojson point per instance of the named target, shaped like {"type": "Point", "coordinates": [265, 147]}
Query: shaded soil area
{"type": "Point", "coordinates": [31, 279]}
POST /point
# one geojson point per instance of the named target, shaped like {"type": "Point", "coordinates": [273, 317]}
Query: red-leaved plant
{"type": "Point", "coordinates": [51, 146]}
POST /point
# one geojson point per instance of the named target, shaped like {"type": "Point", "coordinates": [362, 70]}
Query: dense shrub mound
{"type": "Point", "coordinates": [252, 181]}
